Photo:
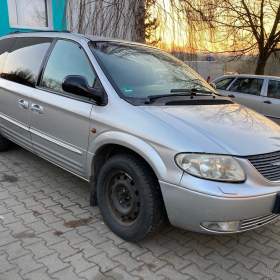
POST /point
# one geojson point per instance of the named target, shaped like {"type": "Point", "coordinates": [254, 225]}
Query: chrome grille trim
{"type": "Point", "coordinates": [257, 222]}
{"type": "Point", "coordinates": [264, 164]}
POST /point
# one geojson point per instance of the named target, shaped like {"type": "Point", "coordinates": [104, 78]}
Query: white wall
{"type": "Point", "coordinates": [212, 69]}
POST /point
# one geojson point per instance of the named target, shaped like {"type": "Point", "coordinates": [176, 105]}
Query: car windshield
{"type": "Point", "coordinates": [139, 72]}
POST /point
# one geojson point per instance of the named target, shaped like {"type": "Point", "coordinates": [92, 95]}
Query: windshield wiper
{"type": "Point", "coordinates": [180, 92]}
{"type": "Point", "coordinates": [152, 98]}
{"type": "Point", "coordinates": [193, 91]}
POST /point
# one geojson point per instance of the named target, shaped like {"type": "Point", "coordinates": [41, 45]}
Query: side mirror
{"type": "Point", "coordinates": [78, 85]}
{"type": "Point", "coordinates": [213, 85]}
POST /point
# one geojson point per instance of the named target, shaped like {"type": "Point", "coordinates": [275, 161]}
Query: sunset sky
{"type": "Point", "coordinates": [174, 31]}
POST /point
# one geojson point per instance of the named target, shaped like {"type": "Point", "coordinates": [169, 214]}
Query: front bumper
{"type": "Point", "coordinates": [188, 208]}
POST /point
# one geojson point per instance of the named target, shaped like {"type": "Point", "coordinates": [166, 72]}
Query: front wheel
{"type": "Point", "coordinates": [129, 197]}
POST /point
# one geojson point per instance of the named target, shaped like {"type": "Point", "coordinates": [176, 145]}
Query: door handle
{"type": "Point", "coordinates": [267, 102]}
{"type": "Point", "coordinates": [23, 104]}
{"type": "Point", "coordinates": [37, 108]}
{"type": "Point", "coordinates": [231, 96]}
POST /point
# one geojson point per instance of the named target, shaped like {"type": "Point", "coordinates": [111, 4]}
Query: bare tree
{"type": "Point", "coordinates": [125, 19]}
{"type": "Point", "coordinates": [238, 26]}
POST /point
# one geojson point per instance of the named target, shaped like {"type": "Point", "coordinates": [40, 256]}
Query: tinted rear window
{"type": "Point", "coordinates": [24, 60]}
{"type": "Point", "coordinates": [5, 46]}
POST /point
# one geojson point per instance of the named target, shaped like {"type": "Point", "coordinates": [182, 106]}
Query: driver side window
{"type": "Point", "coordinates": [250, 86]}
{"type": "Point", "coordinates": [67, 58]}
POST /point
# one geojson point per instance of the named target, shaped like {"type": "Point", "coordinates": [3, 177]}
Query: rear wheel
{"type": "Point", "coordinates": [4, 144]}
{"type": "Point", "coordinates": [129, 197]}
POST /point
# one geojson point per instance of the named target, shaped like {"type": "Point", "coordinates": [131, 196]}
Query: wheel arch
{"type": "Point", "coordinates": [111, 143]}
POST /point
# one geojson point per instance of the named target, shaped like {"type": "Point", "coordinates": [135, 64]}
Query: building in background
{"type": "Point", "coordinates": [111, 18]}
{"type": "Point", "coordinates": [29, 15]}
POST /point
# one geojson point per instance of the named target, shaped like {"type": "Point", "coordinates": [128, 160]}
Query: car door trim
{"type": "Point", "coordinates": [55, 141]}
{"type": "Point", "coordinates": [42, 135]}
{"type": "Point", "coordinates": [13, 121]}
{"type": "Point", "coordinates": [64, 168]}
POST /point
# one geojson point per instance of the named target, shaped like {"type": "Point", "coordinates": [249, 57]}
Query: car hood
{"type": "Point", "coordinates": [231, 128]}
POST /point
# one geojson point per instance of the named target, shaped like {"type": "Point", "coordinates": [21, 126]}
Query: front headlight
{"type": "Point", "coordinates": [211, 167]}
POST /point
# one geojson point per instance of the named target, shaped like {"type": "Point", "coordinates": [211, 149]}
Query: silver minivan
{"type": "Point", "coordinates": [260, 93]}
{"type": "Point", "coordinates": [153, 139]}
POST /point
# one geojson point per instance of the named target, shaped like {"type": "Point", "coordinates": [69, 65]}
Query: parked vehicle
{"type": "Point", "coordinates": [154, 140]}
{"type": "Point", "coordinates": [261, 93]}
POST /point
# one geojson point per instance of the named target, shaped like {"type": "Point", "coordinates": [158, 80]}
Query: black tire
{"type": "Point", "coordinates": [4, 144]}
{"type": "Point", "coordinates": [141, 212]}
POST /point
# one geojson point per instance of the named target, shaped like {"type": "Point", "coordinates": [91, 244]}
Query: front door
{"type": "Point", "coordinates": [21, 60]}
{"type": "Point", "coordinates": [60, 121]}
{"type": "Point", "coordinates": [271, 103]}
{"type": "Point", "coordinates": [248, 92]}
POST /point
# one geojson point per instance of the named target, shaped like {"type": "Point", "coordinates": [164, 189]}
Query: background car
{"type": "Point", "coordinates": [261, 93]}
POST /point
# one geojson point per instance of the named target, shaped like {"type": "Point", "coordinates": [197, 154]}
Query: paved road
{"type": "Point", "coordinates": [48, 231]}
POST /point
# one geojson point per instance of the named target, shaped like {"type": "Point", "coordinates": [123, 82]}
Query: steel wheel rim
{"type": "Point", "coordinates": [123, 197]}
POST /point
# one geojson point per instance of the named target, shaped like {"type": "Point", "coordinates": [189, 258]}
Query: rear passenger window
{"type": "Point", "coordinates": [24, 60]}
{"type": "Point", "coordinates": [273, 90]}
{"type": "Point", "coordinates": [5, 46]}
{"type": "Point", "coordinates": [251, 86]}
{"type": "Point", "coordinates": [224, 83]}
{"type": "Point", "coordinates": [67, 58]}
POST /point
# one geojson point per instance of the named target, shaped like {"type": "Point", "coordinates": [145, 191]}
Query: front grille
{"type": "Point", "coordinates": [268, 165]}
{"type": "Point", "coordinates": [257, 222]}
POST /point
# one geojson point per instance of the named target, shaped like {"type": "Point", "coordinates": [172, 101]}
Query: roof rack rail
{"type": "Point", "coordinates": [34, 31]}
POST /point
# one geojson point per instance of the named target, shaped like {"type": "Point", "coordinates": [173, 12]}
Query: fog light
{"type": "Point", "coordinates": [222, 226]}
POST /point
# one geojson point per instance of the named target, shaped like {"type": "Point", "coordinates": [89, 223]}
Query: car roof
{"type": "Point", "coordinates": [68, 35]}
{"type": "Point", "coordinates": [247, 76]}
